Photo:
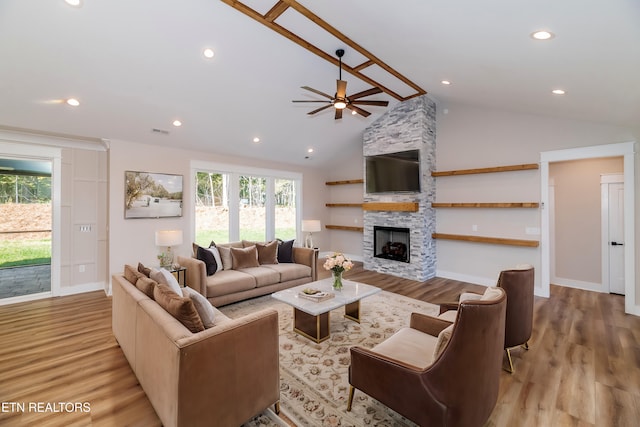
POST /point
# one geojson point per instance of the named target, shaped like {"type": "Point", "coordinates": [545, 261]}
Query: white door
{"type": "Point", "coordinates": [616, 238]}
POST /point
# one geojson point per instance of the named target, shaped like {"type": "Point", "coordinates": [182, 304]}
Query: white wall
{"type": "Point", "coordinates": [132, 240]}
{"type": "Point", "coordinates": [473, 137]}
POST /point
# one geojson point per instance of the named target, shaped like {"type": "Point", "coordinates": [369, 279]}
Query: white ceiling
{"type": "Point", "coordinates": [137, 65]}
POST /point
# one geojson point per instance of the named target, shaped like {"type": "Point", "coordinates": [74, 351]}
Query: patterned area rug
{"type": "Point", "coordinates": [314, 377]}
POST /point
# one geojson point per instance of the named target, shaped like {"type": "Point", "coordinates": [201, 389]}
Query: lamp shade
{"type": "Point", "coordinates": [311, 225]}
{"type": "Point", "coordinates": [168, 237]}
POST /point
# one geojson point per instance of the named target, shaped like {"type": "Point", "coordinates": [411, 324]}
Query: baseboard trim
{"type": "Point", "coordinates": [477, 280]}
{"type": "Point", "coordinates": [578, 284]}
{"type": "Point", "coordinates": [80, 289]}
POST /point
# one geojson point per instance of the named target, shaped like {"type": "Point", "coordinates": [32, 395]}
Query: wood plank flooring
{"type": "Point", "coordinates": [583, 368]}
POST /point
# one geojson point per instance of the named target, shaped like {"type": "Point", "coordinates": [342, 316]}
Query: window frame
{"type": "Point", "coordinates": [234, 172]}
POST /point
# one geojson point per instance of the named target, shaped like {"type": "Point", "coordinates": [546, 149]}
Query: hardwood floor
{"type": "Point", "coordinates": [583, 368]}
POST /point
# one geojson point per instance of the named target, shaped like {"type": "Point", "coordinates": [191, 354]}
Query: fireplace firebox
{"type": "Point", "coordinates": [391, 243]}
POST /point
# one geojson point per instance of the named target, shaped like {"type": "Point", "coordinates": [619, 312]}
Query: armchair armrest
{"type": "Point", "coordinates": [446, 306]}
{"type": "Point", "coordinates": [308, 257]}
{"type": "Point", "coordinates": [428, 324]}
{"type": "Point", "coordinates": [196, 274]}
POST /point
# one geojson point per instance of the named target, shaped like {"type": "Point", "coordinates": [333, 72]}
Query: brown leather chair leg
{"type": "Point", "coordinates": [350, 401]}
{"type": "Point", "coordinates": [276, 407]}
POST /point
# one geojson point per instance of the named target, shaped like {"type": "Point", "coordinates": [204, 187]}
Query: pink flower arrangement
{"type": "Point", "coordinates": [337, 263]}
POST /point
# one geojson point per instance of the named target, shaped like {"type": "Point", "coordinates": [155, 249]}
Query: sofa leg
{"type": "Point", "coordinates": [510, 370]}
{"type": "Point", "coordinates": [276, 407]}
{"type": "Point", "coordinates": [350, 402]}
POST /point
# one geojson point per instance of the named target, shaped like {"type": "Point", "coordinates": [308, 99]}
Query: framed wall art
{"type": "Point", "coordinates": [152, 195]}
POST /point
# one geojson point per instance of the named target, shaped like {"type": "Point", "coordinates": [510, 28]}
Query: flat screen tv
{"type": "Point", "coordinates": [393, 172]}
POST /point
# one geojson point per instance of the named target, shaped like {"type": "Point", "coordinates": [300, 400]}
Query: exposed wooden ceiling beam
{"type": "Point", "coordinates": [282, 5]}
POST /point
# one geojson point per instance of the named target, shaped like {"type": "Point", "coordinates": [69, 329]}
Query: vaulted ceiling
{"type": "Point", "coordinates": [136, 66]}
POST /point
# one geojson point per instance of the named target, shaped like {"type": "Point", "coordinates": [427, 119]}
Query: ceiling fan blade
{"type": "Point", "coordinates": [360, 111]}
{"type": "Point", "coordinates": [316, 91]}
{"type": "Point", "coordinates": [319, 100]}
{"type": "Point", "coordinates": [338, 114]}
{"type": "Point", "coordinates": [364, 93]}
{"type": "Point", "coordinates": [372, 102]}
{"type": "Point", "coordinates": [341, 91]}
{"type": "Point", "coordinates": [319, 109]}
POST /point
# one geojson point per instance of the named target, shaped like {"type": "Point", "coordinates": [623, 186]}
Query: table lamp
{"type": "Point", "coordinates": [310, 226]}
{"type": "Point", "coordinates": [168, 238]}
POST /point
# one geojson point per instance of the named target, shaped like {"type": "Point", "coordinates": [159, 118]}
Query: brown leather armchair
{"type": "Point", "coordinates": [454, 383]}
{"type": "Point", "coordinates": [518, 283]}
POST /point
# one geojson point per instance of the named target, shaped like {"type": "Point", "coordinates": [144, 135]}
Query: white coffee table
{"type": "Point", "coordinates": [311, 318]}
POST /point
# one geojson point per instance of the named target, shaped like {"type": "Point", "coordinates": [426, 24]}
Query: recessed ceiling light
{"type": "Point", "coordinates": [445, 82]}
{"type": "Point", "coordinates": [354, 112]}
{"type": "Point", "coordinates": [310, 150]}
{"type": "Point", "coordinates": [542, 35]}
{"type": "Point", "coordinates": [558, 92]}
{"type": "Point", "coordinates": [74, 3]}
{"type": "Point", "coordinates": [73, 102]}
{"type": "Point", "coordinates": [177, 123]}
{"type": "Point", "coordinates": [208, 53]}
{"type": "Point", "coordinates": [256, 139]}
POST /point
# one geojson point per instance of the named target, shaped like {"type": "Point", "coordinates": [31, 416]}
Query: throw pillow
{"type": "Point", "coordinates": [443, 340]}
{"type": "Point", "coordinates": [203, 306]}
{"type": "Point", "coordinates": [179, 307]}
{"type": "Point", "coordinates": [216, 254]}
{"type": "Point", "coordinates": [285, 251]}
{"type": "Point", "coordinates": [244, 257]}
{"type": "Point", "coordinates": [144, 270]}
{"type": "Point", "coordinates": [225, 257]}
{"type": "Point", "coordinates": [146, 285]}
{"type": "Point", "coordinates": [164, 277]}
{"type": "Point", "coordinates": [131, 274]}
{"type": "Point", "coordinates": [209, 260]}
{"type": "Point", "coordinates": [267, 253]}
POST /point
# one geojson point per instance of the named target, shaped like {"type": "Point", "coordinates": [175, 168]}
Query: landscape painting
{"type": "Point", "coordinates": [152, 195]}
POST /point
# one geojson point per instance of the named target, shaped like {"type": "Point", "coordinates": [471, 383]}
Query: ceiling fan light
{"type": "Point", "coordinates": [340, 104]}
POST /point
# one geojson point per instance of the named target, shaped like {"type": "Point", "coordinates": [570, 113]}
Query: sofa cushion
{"type": "Point", "coordinates": [449, 315]}
{"type": "Point", "coordinates": [206, 256]}
{"type": "Point", "coordinates": [289, 271]}
{"type": "Point", "coordinates": [491, 293]}
{"type": "Point", "coordinates": [285, 251]}
{"type": "Point", "coordinates": [229, 281]}
{"type": "Point", "coordinates": [262, 275]}
{"type": "Point", "coordinates": [179, 307]}
{"type": "Point", "coordinates": [204, 308]}
{"type": "Point", "coordinates": [244, 257]}
{"type": "Point", "coordinates": [267, 252]}
{"type": "Point", "coordinates": [146, 285]}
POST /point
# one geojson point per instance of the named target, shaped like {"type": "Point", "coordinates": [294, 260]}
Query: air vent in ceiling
{"type": "Point", "coordinates": [162, 131]}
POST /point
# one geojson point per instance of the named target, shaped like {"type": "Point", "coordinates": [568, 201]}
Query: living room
{"type": "Point", "coordinates": [469, 136]}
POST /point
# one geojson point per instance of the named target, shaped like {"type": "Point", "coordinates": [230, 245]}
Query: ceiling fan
{"type": "Point", "coordinates": [340, 100]}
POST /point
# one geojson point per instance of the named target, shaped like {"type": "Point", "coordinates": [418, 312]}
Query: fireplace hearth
{"type": "Point", "coordinates": [391, 243]}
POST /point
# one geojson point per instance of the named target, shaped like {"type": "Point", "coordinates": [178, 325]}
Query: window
{"type": "Point", "coordinates": [250, 204]}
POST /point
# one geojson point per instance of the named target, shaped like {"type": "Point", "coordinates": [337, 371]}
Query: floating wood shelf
{"type": "Point", "coordinates": [344, 227]}
{"type": "Point", "coordinates": [390, 206]}
{"type": "Point", "coordinates": [343, 205]}
{"type": "Point", "coordinates": [510, 168]}
{"type": "Point", "coordinates": [349, 181]}
{"type": "Point", "coordinates": [492, 240]}
{"type": "Point", "coordinates": [487, 205]}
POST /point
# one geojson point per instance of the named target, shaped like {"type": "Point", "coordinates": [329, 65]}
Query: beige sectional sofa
{"type": "Point", "coordinates": [221, 376]}
{"type": "Point", "coordinates": [232, 284]}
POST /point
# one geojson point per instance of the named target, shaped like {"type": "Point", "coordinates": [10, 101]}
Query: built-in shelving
{"type": "Point", "coordinates": [343, 205]}
{"type": "Point", "coordinates": [391, 206]}
{"type": "Point", "coordinates": [345, 182]}
{"type": "Point", "coordinates": [491, 240]}
{"type": "Point", "coordinates": [527, 205]}
{"type": "Point", "coordinates": [345, 228]}
{"type": "Point", "coordinates": [509, 168]}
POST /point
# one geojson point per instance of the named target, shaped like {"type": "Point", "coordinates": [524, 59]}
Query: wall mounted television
{"type": "Point", "coordinates": [393, 172]}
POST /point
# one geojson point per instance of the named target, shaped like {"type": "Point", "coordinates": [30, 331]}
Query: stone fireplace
{"type": "Point", "coordinates": [410, 125]}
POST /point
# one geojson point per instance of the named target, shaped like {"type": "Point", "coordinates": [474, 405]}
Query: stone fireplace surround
{"type": "Point", "coordinates": [409, 125]}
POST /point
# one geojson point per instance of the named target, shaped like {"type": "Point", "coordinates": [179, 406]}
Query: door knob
{"type": "Point", "coordinates": [617, 244]}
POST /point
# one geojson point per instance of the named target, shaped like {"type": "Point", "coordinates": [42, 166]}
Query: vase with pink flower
{"type": "Point", "coordinates": [337, 263]}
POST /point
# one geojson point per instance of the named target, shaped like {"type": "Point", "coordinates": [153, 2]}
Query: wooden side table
{"type": "Point", "coordinates": [180, 273]}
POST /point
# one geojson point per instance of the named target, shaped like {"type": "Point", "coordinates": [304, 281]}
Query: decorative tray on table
{"type": "Point", "coordinates": [315, 295]}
